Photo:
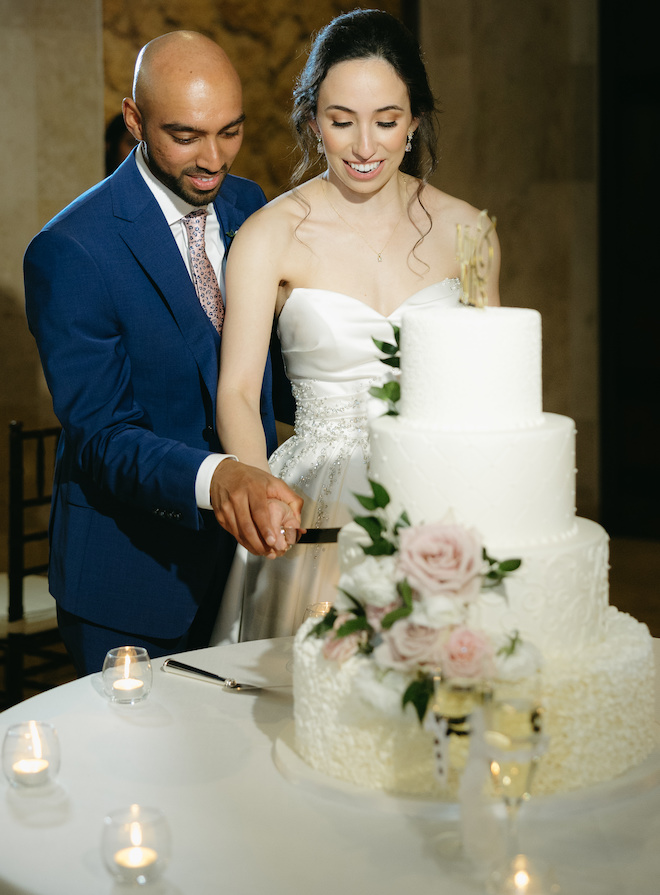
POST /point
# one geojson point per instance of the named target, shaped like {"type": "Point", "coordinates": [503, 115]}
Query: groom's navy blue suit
{"type": "Point", "coordinates": [131, 361]}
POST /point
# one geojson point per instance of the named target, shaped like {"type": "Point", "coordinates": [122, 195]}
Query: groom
{"type": "Point", "coordinates": [130, 354]}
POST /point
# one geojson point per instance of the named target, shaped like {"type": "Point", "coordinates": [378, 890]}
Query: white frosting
{"type": "Point", "coordinates": [596, 730]}
{"type": "Point", "coordinates": [471, 439]}
{"type": "Point", "coordinates": [514, 487]}
{"type": "Point", "coordinates": [471, 368]}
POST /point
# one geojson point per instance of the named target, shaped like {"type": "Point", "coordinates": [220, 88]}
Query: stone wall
{"type": "Point", "coordinates": [266, 41]}
{"type": "Point", "coordinates": [51, 150]}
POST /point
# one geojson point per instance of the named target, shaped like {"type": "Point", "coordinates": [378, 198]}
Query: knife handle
{"type": "Point", "coordinates": [188, 670]}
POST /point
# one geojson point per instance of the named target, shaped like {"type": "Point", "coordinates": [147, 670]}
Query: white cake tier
{"type": "Point", "coordinates": [557, 599]}
{"type": "Point", "coordinates": [471, 368]}
{"type": "Point", "coordinates": [596, 730]}
{"type": "Point", "coordinates": [514, 487]}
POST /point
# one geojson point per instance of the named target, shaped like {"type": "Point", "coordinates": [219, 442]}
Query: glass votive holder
{"type": "Point", "coordinates": [136, 844]}
{"type": "Point", "coordinates": [127, 674]}
{"type": "Point", "coordinates": [31, 754]}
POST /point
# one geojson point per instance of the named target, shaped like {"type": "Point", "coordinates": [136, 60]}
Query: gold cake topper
{"type": "Point", "coordinates": [474, 253]}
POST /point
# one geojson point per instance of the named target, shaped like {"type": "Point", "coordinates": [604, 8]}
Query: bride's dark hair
{"type": "Point", "coordinates": [367, 34]}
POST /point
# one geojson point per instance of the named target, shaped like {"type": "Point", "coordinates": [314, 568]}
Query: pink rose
{"type": "Point", "coordinates": [467, 654]}
{"type": "Point", "coordinates": [340, 649]}
{"type": "Point", "coordinates": [407, 646]}
{"type": "Point", "coordinates": [375, 614]}
{"type": "Point", "coordinates": [441, 558]}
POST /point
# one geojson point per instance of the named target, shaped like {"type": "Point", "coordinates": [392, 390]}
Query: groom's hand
{"type": "Point", "coordinates": [255, 507]}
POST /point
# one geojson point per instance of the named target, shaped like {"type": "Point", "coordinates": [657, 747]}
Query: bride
{"type": "Point", "coordinates": [336, 261]}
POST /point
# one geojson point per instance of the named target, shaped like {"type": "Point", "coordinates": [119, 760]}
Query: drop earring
{"type": "Point", "coordinates": [319, 145]}
{"type": "Point", "coordinates": [409, 143]}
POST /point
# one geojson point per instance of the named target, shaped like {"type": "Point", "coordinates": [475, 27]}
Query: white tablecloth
{"type": "Point", "coordinates": [206, 758]}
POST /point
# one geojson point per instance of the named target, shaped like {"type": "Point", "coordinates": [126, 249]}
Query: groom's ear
{"type": "Point", "coordinates": [132, 118]}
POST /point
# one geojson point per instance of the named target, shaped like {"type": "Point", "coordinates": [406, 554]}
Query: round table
{"type": "Point", "coordinates": [243, 823]}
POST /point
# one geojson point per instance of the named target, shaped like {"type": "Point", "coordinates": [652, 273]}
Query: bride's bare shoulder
{"type": "Point", "coordinates": [281, 216]}
{"type": "Point", "coordinates": [448, 209]}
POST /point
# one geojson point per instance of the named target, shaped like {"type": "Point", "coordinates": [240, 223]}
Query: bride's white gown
{"type": "Point", "coordinates": [332, 362]}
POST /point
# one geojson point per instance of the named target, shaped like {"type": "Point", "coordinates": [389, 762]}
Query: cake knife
{"type": "Point", "coordinates": [176, 667]}
{"type": "Point", "coordinates": [318, 536]}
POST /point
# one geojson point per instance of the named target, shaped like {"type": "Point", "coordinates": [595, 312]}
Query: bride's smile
{"type": "Point", "coordinates": [363, 118]}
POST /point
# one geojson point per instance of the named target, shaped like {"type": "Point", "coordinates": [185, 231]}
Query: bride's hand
{"type": "Point", "coordinates": [285, 522]}
{"type": "Point", "coordinates": [259, 510]}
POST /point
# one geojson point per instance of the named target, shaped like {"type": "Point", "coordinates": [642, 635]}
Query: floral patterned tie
{"type": "Point", "coordinates": [203, 275]}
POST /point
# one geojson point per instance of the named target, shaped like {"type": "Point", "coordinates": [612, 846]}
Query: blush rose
{"type": "Point", "coordinates": [441, 558]}
{"type": "Point", "coordinates": [467, 653]}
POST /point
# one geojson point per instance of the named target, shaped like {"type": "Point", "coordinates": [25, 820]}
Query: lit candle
{"type": "Point", "coordinates": [136, 857]}
{"type": "Point", "coordinates": [31, 771]}
{"type": "Point", "coordinates": [127, 684]}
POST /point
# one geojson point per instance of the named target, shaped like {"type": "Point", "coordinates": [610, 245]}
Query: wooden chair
{"type": "Point", "coordinates": [28, 623]}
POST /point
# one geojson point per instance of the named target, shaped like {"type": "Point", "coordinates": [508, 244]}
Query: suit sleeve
{"type": "Point", "coordinates": [88, 369]}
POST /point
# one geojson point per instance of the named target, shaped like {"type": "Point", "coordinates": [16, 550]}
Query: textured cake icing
{"type": "Point", "coordinates": [471, 439]}
{"type": "Point", "coordinates": [596, 730]}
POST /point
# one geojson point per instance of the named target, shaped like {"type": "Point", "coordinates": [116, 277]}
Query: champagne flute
{"type": "Point", "coordinates": [515, 744]}
{"type": "Point", "coordinates": [453, 715]}
{"type": "Point", "coordinates": [316, 610]}
{"type": "Point", "coordinates": [313, 610]}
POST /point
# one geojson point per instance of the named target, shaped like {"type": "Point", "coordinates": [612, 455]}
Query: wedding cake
{"type": "Point", "coordinates": [471, 442]}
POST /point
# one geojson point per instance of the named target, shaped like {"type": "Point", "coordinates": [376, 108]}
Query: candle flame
{"type": "Point", "coordinates": [36, 740]}
{"type": "Point", "coordinates": [521, 880]}
{"type": "Point", "coordinates": [136, 833]}
{"type": "Point", "coordinates": [127, 666]}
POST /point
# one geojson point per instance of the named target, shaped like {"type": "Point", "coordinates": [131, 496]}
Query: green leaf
{"type": "Point", "coordinates": [381, 547]}
{"type": "Point", "coordinates": [381, 496]}
{"type": "Point", "coordinates": [385, 347]}
{"type": "Point", "coordinates": [419, 692]}
{"type": "Point", "coordinates": [325, 624]}
{"type": "Point", "coordinates": [509, 648]}
{"type": "Point", "coordinates": [405, 592]}
{"type": "Point", "coordinates": [351, 625]}
{"type": "Point", "coordinates": [371, 524]}
{"type": "Point", "coordinates": [368, 503]}
{"type": "Point", "coordinates": [509, 565]}
{"type": "Point", "coordinates": [392, 361]}
{"type": "Point", "coordinates": [394, 616]}
{"type": "Point", "coordinates": [358, 608]}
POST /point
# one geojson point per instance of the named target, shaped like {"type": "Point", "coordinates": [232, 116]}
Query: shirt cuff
{"type": "Point", "coordinates": [204, 476]}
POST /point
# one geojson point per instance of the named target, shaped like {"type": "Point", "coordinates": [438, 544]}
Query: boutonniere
{"type": "Point", "coordinates": [230, 234]}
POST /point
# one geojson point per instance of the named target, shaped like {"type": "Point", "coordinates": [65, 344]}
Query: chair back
{"type": "Point", "coordinates": [31, 465]}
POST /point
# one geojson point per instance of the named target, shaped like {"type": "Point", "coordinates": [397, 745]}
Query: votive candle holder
{"type": "Point", "coordinates": [31, 754]}
{"type": "Point", "coordinates": [127, 674]}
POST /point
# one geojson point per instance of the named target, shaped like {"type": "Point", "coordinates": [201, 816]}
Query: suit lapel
{"type": "Point", "coordinates": [144, 230]}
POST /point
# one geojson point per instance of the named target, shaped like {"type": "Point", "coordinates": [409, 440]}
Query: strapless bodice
{"type": "Point", "coordinates": [328, 336]}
